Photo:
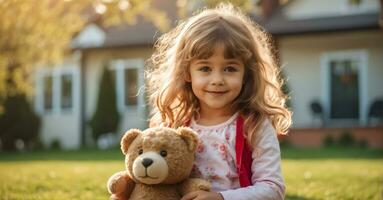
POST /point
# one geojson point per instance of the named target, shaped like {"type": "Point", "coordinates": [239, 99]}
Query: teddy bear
{"type": "Point", "coordinates": [158, 165]}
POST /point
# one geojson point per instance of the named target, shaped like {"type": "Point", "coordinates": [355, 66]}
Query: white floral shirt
{"type": "Point", "coordinates": [216, 162]}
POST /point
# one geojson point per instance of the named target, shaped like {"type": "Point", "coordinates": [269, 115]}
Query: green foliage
{"type": "Point", "coordinates": [18, 122]}
{"type": "Point", "coordinates": [38, 33]}
{"type": "Point", "coordinates": [283, 142]}
{"type": "Point", "coordinates": [346, 139]}
{"type": "Point", "coordinates": [33, 33]}
{"type": "Point", "coordinates": [362, 144]}
{"type": "Point", "coordinates": [245, 5]}
{"type": "Point", "coordinates": [328, 141]}
{"type": "Point", "coordinates": [106, 117]}
{"type": "Point", "coordinates": [55, 144]}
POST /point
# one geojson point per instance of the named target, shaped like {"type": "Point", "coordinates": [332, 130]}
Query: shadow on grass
{"type": "Point", "coordinates": [115, 154]}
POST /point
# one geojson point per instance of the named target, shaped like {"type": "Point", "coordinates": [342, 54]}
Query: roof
{"type": "Point", "coordinates": [127, 35]}
{"type": "Point", "coordinates": [145, 33]}
{"type": "Point", "coordinates": [278, 24]}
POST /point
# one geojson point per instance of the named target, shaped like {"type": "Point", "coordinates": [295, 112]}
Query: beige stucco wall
{"type": "Point", "coordinates": [62, 128]}
{"type": "Point", "coordinates": [301, 56]}
{"type": "Point", "coordinates": [94, 60]}
{"type": "Point", "coordinates": [302, 9]}
{"type": "Point", "coordinates": [62, 125]}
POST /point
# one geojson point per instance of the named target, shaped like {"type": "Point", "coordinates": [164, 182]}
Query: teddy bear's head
{"type": "Point", "coordinates": [159, 155]}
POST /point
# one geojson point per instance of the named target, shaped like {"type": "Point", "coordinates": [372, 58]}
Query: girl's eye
{"type": "Point", "coordinates": [140, 151]}
{"type": "Point", "coordinates": [163, 153]}
{"type": "Point", "coordinates": [204, 69]}
{"type": "Point", "coordinates": [230, 69]}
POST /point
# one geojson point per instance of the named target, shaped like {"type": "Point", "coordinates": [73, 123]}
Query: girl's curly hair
{"type": "Point", "coordinates": [261, 97]}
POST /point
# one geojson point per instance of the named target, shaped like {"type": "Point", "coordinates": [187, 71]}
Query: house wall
{"type": "Point", "coordinates": [301, 57]}
{"type": "Point", "coordinates": [304, 9]}
{"type": "Point", "coordinates": [62, 128]}
{"type": "Point", "coordinates": [94, 62]}
{"type": "Point", "coordinates": [60, 124]}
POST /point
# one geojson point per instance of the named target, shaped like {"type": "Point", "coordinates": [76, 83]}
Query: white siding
{"type": "Point", "coordinates": [301, 57]}
{"type": "Point", "coordinates": [304, 9]}
{"type": "Point", "coordinates": [58, 123]}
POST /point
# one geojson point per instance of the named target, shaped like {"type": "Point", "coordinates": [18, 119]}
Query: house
{"type": "Point", "coordinates": [331, 53]}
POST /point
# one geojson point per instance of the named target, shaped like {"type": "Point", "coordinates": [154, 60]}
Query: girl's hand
{"type": "Point", "coordinates": [202, 195]}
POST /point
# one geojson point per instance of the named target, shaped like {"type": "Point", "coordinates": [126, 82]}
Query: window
{"type": "Point", "coordinates": [48, 91]}
{"type": "Point", "coordinates": [129, 79]}
{"type": "Point", "coordinates": [67, 91]}
{"type": "Point", "coordinates": [56, 90]}
{"type": "Point", "coordinates": [345, 85]}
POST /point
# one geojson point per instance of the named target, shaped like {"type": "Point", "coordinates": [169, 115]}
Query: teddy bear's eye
{"type": "Point", "coordinates": [163, 153]}
{"type": "Point", "coordinates": [140, 151]}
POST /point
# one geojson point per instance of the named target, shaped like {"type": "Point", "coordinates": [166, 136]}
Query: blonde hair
{"type": "Point", "coordinates": [261, 97]}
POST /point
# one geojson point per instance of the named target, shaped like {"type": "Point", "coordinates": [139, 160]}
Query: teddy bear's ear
{"type": "Point", "coordinates": [189, 136]}
{"type": "Point", "coordinates": [128, 138]}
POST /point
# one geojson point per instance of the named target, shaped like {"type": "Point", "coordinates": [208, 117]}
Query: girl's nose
{"type": "Point", "coordinates": [217, 79]}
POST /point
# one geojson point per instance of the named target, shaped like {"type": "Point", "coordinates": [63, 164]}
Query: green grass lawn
{"type": "Point", "coordinates": [336, 173]}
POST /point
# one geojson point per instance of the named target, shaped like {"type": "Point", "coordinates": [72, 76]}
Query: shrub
{"type": "Point", "coordinates": [346, 139]}
{"type": "Point", "coordinates": [363, 143]}
{"type": "Point", "coordinates": [18, 122]}
{"type": "Point", "coordinates": [55, 144]}
{"type": "Point", "coordinates": [106, 117]}
{"type": "Point", "coordinates": [328, 141]}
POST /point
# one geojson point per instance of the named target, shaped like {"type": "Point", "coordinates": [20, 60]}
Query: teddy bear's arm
{"type": "Point", "coordinates": [193, 184]}
{"type": "Point", "coordinates": [120, 186]}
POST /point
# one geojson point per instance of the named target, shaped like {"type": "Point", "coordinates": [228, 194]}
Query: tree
{"type": "Point", "coordinates": [106, 117]}
{"type": "Point", "coordinates": [38, 32]}
{"type": "Point", "coordinates": [18, 122]}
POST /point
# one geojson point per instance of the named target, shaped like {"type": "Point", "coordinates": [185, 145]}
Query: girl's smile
{"type": "Point", "coordinates": [217, 92]}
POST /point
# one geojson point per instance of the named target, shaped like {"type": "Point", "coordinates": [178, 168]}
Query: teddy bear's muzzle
{"type": "Point", "coordinates": [150, 168]}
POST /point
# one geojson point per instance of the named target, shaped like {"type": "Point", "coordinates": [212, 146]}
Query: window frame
{"type": "Point", "coordinates": [119, 66]}
{"type": "Point", "coordinates": [57, 74]}
{"type": "Point", "coordinates": [361, 56]}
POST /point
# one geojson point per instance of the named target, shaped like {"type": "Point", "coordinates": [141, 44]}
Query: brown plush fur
{"type": "Point", "coordinates": [171, 155]}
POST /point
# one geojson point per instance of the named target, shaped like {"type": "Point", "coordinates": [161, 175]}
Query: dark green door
{"type": "Point", "coordinates": [344, 95]}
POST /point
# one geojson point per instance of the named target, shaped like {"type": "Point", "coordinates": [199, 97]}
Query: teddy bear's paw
{"type": "Point", "coordinates": [204, 185]}
{"type": "Point", "coordinates": [115, 197]}
{"type": "Point", "coordinates": [117, 183]}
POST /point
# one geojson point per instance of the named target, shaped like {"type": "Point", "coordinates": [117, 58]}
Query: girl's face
{"type": "Point", "coordinates": [216, 81]}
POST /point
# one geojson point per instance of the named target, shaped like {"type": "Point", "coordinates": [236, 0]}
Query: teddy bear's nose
{"type": "Point", "coordinates": [146, 162]}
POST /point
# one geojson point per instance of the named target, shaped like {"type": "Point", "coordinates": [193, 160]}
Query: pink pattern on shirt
{"type": "Point", "coordinates": [200, 147]}
{"type": "Point", "coordinates": [215, 156]}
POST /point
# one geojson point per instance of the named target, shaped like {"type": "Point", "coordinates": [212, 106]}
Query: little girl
{"type": "Point", "coordinates": [215, 73]}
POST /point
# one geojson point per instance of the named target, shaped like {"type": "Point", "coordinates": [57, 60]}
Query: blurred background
{"type": "Point", "coordinates": [72, 72]}
{"type": "Point", "coordinates": [72, 82]}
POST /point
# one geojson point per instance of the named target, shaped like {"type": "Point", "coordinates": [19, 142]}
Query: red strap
{"type": "Point", "coordinates": [243, 155]}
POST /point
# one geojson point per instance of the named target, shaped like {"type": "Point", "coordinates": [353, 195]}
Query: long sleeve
{"type": "Point", "coordinates": [266, 177]}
